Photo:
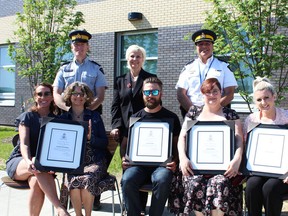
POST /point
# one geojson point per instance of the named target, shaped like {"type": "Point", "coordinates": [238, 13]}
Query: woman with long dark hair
{"type": "Point", "coordinates": [20, 165]}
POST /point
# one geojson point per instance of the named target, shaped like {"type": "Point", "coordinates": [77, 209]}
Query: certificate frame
{"type": "Point", "coordinates": [210, 146]}
{"type": "Point", "coordinates": [61, 145]}
{"type": "Point", "coordinates": [149, 141]}
{"type": "Point", "coordinates": [266, 150]}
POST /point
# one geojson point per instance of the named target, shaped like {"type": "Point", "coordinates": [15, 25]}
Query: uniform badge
{"type": "Point", "coordinates": [192, 71]}
{"type": "Point", "coordinates": [217, 72]}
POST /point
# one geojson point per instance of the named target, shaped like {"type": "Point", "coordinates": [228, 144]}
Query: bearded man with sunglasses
{"type": "Point", "coordinates": [137, 175]}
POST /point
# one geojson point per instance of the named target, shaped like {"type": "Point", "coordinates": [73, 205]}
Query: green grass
{"type": "Point", "coordinates": [6, 134]}
{"type": "Point", "coordinates": [115, 165]}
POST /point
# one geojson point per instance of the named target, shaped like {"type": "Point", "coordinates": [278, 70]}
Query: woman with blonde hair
{"type": "Point", "coordinates": [266, 191]}
{"type": "Point", "coordinates": [128, 97]}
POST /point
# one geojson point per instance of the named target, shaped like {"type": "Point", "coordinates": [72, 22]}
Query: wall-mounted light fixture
{"type": "Point", "coordinates": [132, 16]}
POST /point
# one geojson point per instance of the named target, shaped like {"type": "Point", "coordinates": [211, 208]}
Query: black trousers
{"type": "Point", "coordinates": [267, 192]}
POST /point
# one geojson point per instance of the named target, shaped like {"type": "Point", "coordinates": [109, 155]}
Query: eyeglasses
{"type": "Point", "coordinates": [45, 94]}
{"type": "Point", "coordinates": [154, 92]}
{"type": "Point", "coordinates": [76, 94]}
{"type": "Point", "coordinates": [214, 92]}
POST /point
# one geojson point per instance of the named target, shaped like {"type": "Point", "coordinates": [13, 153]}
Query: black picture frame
{"type": "Point", "coordinates": [267, 150]}
{"type": "Point", "coordinates": [149, 141]}
{"type": "Point", "coordinates": [210, 145]}
{"type": "Point", "coordinates": [61, 145]}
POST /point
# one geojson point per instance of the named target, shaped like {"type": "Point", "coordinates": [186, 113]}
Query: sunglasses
{"type": "Point", "coordinates": [154, 92]}
{"type": "Point", "coordinates": [76, 94]}
{"type": "Point", "coordinates": [45, 94]}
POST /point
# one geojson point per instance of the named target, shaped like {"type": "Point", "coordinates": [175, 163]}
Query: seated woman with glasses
{"type": "Point", "coordinates": [82, 184]}
{"type": "Point", "coordinates": [208, 194]}
{"type": "Point", "coordinates": [20, 165]}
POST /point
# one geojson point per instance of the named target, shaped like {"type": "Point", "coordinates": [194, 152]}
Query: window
{"type": "Point", "coordinates": [147, 40]}
{"type": "Point", "coordinates": [247, 82]}
{"type": "Point", "coordinates": [7, 78]}
{"type": "Point", "coordinates": [244, 84]}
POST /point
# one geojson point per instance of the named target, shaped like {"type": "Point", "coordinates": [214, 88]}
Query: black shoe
{"type": "Point", "coordinates": [97, 206]}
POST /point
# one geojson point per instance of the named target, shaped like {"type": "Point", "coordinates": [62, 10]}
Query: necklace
{"type": "Point", "coordinates": [134, 78]}
{"type": "Point", "coordinates": [77, 117]}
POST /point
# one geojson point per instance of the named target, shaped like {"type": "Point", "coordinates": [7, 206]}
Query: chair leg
{"type": "Point", "coordinates": [58, 190]}
{"type": "Point", "coordinates": [123, 210]}
{"type": "Point", "coordinates": [119, 196]}
{"type": "Point", "coordinates": [69, 202]}
{"type": "Point", "coordinates": [53, 212]}
{"type": "Point", "coordinates": [57, 184]}
{"type": "Point", "coordinates": [9, 195]}
{"type": "Point", "coordinates": [113, 203]}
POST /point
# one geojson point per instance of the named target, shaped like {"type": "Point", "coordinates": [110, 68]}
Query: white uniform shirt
{"type": "Point", "coordinates": [194, 73]}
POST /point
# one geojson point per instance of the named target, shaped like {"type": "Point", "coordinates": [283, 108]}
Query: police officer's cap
{"type": "Point", "coordinates": [80, 36]}
{"type": "Point", "coordinates": [204, 35]}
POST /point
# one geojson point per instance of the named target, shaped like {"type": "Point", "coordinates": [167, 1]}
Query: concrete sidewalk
{"type": "Point", "coordinates": [13, 202]}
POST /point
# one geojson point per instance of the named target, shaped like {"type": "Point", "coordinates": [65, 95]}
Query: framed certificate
{"type": "Point", "coordinates": [149, 142]}
{"type": "Point", "coordinates": [61, 145]}
{"type": "Point", "coordinates": [210, 146]}
{"type": "Point", "coordinates": [267, 150]}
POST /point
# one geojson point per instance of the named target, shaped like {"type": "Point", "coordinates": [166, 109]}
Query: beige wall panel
{"type": "Point", "coordinates": [112, 15]}
{"type": "Point", "coordinates": [6, 28]}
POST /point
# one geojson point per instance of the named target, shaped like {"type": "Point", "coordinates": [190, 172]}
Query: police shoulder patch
{"type": "Point", "coordinates": [67, 66]}
{"type": "Point", "coordinates": [100, 67]}
{"type": "Point", "coordinates": [65, 63]}
{"type": "Point", "coordinates": [190, 62]}
{"type": "Point", "coordinates": [222, 58]}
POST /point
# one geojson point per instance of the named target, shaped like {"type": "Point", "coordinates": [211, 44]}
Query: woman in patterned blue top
{"type": "Point", "coordinates": [83, 185]}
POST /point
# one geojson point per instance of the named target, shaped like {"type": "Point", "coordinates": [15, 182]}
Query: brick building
{"type": "Point", "coordinates": [163, 26]}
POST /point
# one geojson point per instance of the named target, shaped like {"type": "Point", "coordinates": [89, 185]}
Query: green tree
{"type": "Point", "coordinates": [42, 33]}
{"type": "Point", "coordinates": [253, 35]}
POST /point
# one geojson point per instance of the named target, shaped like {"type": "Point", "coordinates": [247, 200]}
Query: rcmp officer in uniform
{"type": "Point", "coordinates": [80, 69]}
{"type": "Point", "coordinates": [83, 70]}
{"type": "Point", "coordinates": [203, 67]}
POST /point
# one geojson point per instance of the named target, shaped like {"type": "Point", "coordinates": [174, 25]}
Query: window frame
{"type": "Point", "coordinates": [238, 103]}
{"type": "Point", "coordinates": [7, 98]}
